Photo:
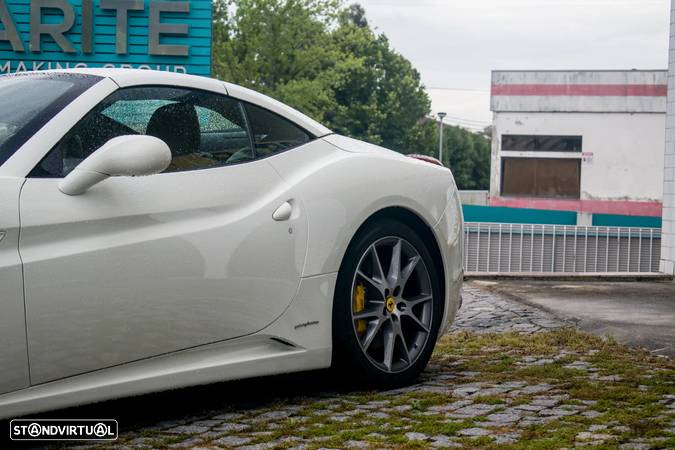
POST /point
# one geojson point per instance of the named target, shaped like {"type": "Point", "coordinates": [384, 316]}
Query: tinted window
{"type": "Point", "coordinates": [273, 133]}
{"type": "Point", "coordinates": [30, 101]}
{"type": "Point", "coordinates": [203, 130]}
{"type": "Point", "coordinates": [541, 143]}
{"type": "Point", "coordinates": [541, 177]}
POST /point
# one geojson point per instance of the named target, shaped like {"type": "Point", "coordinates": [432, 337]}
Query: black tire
{"type": "Point", "coordinates": [348, 356]}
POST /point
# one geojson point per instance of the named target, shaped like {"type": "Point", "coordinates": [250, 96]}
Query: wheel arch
{"type": "Point", "coordinates": [419, 225]}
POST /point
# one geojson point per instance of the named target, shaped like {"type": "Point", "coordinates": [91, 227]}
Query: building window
{"type": "Point", "coordinates": [541, 177]}
{"type": "Point", "coordinates": [536, 143]}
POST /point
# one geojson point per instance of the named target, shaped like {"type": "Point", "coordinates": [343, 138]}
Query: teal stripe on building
{"type": "Point", "coordinates": [498, 214]}
{"type": "Point", "coordinates": [613, 220]}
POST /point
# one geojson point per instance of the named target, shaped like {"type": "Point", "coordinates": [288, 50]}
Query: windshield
{"type": "Point", "coordinates": [29, 101]}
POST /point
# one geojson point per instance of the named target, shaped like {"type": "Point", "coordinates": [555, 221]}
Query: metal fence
{"type": "Point", "coordinates": [503, 248]}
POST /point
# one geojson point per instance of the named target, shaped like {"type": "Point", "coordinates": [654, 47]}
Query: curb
{"type": "Point", "coordinates": [581, 276]}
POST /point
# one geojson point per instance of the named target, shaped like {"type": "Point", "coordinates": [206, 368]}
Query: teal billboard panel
{"type": "Point", "coordinates": [171, 35]}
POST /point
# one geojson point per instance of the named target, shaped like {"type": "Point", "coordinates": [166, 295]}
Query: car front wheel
{"type": "Point", "coordinates": [388, 305]}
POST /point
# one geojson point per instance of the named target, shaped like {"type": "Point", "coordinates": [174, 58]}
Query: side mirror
{"type": "Point", "coordinates": [133, 155]}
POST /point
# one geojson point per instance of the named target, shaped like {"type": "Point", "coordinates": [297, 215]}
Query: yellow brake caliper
{"type": "Point", "coordinates": [359, 305]}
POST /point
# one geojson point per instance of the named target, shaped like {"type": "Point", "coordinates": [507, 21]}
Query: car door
{"type": "Point", "coordinates": [142, 266]}
{"type": "Point", "coordinates": [13, 356]}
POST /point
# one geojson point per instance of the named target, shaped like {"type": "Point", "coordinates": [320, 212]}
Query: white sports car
{"type": "Point", "coordinates": [160, 230]}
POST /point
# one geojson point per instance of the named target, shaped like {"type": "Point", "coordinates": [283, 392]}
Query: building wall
{"type": "Point", "coordinates": [668, 236]}
{"type": "Point", "coordinates": [626, 148]}
{"type": "Point", "coordinates": [579, 91]}
{"type": "Point", "coordinates": [478, 198]}
{"type": "Point", "coordinates": [620, 116]}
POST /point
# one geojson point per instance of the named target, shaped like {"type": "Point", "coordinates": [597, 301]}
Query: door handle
{"type": "Point", "coordinates": [283, 212]}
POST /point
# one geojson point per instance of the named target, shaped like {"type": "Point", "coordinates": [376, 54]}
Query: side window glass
{"type": "Point", "coordinates": [223, 137]}
{"type": "Point", "coordinates": [203, 130]}
{"type": "Point", "coordinates": [273, 133]}
{"type": "Point", "coordinates": [135, 114]}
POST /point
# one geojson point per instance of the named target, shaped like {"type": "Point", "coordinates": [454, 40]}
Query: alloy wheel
{"type": "Point", "coordinates": [392, 304]}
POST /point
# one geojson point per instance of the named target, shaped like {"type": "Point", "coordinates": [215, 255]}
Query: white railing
{"type": "Point", "coordinates": [504, 248]}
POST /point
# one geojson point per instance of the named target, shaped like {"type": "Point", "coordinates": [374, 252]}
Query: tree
{"type": "Point", "coordinates": [381, 98]}
{"type": "Point", "coordinates": [324, 59]}
{"type": "Point", "coordinates": [468, 155]}
{"type": "Point", "coordinates": [279, 47]}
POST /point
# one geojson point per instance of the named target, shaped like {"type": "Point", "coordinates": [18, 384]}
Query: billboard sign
{"type": "Point", "coordinates": [172, 35]}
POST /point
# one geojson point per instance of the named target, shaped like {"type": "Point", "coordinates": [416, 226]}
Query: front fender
{"type": "Point", "coordinates": [449, 233]}
{"type": "Point", "coordinates": [342, 189]}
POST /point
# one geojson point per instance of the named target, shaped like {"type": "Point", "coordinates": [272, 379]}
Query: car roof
{"type": "Point", "coordinates": [135, 77]}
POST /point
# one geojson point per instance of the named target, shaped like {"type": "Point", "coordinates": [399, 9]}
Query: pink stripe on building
{"type": "Point", "coordinates": [581, 90]}
{"type": "Point", "coordinates": [619, 207]}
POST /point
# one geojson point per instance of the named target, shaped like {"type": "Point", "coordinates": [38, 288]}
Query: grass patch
{"type": "Point", "coordinates": [604, 383]}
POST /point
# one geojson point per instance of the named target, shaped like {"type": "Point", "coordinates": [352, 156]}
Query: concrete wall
{"type": "Point", "coordinates": [579, 91]}
{"type": "Point", "coordinates": [626, 148]}
{"type": "Point", "coordinates": [668, 239]}
{"type": "Point", "coordinates": [477, 198]}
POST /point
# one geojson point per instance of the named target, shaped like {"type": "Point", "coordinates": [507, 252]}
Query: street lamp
{"type": "Point", "coordinates": [441, 115]}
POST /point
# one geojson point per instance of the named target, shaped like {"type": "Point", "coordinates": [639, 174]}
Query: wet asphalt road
{"type": "Point", "coordinates": [640, 314]}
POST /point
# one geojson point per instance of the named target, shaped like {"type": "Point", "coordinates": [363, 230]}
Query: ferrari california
{"type": "Point", "coordinates": [160, 230]}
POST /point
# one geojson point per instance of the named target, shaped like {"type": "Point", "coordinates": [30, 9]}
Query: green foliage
{"type": "Point", "coordinates": [466, 152]}
{"type": "Point", "coordinates": [468, 155]}
{"type": "Point", "coordinates": [324, 59]}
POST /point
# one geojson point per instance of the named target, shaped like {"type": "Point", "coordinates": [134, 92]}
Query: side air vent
{"type": "Point", "coordinates": [281, 341]}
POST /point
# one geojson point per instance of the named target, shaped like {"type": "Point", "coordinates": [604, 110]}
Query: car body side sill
{"type": "Point", "coordinates": [256, 355]}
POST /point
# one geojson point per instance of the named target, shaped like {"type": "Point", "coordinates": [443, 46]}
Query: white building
{"type": "Point", "coordinates": [668, 236]}
{"type": "Point", "coordinates": [584, 141]}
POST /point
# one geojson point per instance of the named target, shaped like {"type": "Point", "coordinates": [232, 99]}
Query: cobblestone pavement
{"type": "Point", "coordinates": [543, 387]}
{"type": "Point", "coordinates": [485, 312]}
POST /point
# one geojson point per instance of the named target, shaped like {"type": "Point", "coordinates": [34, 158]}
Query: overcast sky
{"type": "Point", "coordinates": [456, 43]}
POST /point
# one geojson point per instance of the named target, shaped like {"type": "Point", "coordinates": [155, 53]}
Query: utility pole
{"type": "Point", "coordinates": [441, 115]}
